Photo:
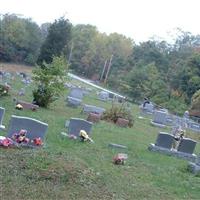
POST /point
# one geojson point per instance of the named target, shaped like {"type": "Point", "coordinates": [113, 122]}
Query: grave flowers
{"type": "Point", "coordinates": [20, 137]}
{"type": "Point", "coordinates": [19, 107]}
{"type": "Point", "coordinates": [84, 136]}
{"type": "Point", "coordinates": [120, 158]}
{"type": "Point", "coordinates": [37, 141]}
{"type": "Point", "coordinates": [5, 142]}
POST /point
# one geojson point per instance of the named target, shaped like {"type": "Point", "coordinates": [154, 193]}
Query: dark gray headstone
{"type": "Point", "coordinates": [76, 124]}
{"type": "Point", "coordinates": [187, 145]}
{"type": "Point", "coordinates": [75, 102]}
{"type": "Point", "coordinates": [92, 109]}
{"type": "Point", "coordinates": [34, 127]}
{"type": "Point", "coordinates": [164, 140]}
{"type": "Point", "coordinates": [2, 112]}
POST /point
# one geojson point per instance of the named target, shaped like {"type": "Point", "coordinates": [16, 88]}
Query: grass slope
{"type": "Point", "coordinates": [67, 169]}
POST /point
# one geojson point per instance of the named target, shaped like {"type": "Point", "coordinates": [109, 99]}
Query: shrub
{"type": "Point", "coordinates": [118, 111]}
{"type": "Point", "coordinates": [4, 90]}
{"type": "Point", "coordinates": [50, 80]}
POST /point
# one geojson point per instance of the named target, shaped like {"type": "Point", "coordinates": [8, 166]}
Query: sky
{"type": "Point", "coordinates": [138, 19]}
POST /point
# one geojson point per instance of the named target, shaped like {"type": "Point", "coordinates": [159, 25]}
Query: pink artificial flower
{"type": "Point", "coordinates": [6, 142]}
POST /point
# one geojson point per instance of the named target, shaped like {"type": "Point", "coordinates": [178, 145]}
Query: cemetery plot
{"type": "Point", "coordinates": [164, 144]}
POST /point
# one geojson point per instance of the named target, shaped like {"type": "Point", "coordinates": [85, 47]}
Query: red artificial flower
{"type": "Point", "coordinates": [37, 141]}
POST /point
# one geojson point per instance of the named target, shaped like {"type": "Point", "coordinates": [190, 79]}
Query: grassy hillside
{"type": "Point", "coordinates": [68, 169]}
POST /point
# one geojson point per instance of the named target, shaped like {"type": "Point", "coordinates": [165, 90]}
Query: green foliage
{"type": "Point", "coordinates": [153, 69]}
{"type": "Point", "coordinates": [118, 111]}
{"type": "Point", "coordinates": [57, 41]}
{"type": "Point", "coordinates": [20, 39]}
{"type": "Point", "coordinates": [91, 49]}
{"type": "Point", "coordinates": [50, 80]}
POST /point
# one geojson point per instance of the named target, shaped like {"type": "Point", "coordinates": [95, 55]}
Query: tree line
{"type": "Point", "coordinates": [168, 74]}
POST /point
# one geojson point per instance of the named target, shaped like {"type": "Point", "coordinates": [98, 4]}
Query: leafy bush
{"type": "Point", "coordinates": [118, 111]}
{"type": "Point", "coordinates": [50, 80]}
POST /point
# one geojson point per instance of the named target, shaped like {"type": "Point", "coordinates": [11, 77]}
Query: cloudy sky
{"type": "Point", "coordinates": [138, 19]}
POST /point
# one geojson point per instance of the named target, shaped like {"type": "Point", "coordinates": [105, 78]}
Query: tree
{"type": "Point", "coordinates": [57, 41]}
{"type": "Point", "coordinates": [50, 81]}
{"type": "Point", "coordinates": [44, 30]}
{"type": "Point", "coordinates": [20, 39]}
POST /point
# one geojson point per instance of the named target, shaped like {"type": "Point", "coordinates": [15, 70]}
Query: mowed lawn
{"type": "Point", "coordinates": [69, 169]}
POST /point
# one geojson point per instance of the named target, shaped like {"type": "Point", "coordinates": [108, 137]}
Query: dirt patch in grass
{"type": "Point", "coordinates": [15, 68]}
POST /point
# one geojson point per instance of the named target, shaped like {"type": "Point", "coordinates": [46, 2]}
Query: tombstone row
{"type": "Point", "coordinates": [165, 143]}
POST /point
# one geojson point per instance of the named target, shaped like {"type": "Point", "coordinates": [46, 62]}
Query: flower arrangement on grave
{"type": "Point", "coordinates": [19, 107]}
{"type": "Point", "coordinates": [119, 159]}
{"type": "Point", "coordinates": [20, 137]}
{"type": "Point", "coordinates": [37, 141]}
{"type": "Point", "coordinates": [5, 141]}
{"type": "Point", "coordinates": [178, 133]}
{"type": "Point", "coordinates": [4, 89]}
{"type": "Point", "coordinates": [84, 136]}
{"type": "Point", "coordinates": [71, 136]}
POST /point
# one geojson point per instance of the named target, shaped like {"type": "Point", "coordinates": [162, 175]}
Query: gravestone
{"type": "Point", "coordinates": [169, 120]}
{"type": "Point", "coordinates": [148, 108]}
{"type": "Point", "coordinates": [23, 74]}
{"type": "Point", "coordinates": [122, 122]}
{"type": "Point", "coordinates": [113, 145]}
{"type": "Point", "coordinates": [194, 167]}
{"type": "Point", "coordinates": [68, 85]}
{"type": "Point", "coordinates": [93, 109]}
{"type": "Point", "coordinates": [164, 144]}
{"type": "Point", "coordinates": [164, 140]}
{"type": "Point", "coordinates": [27, 105]}
{"type": "Point", "coordinates": [76, 124]}
{"type": "Point", "coordinates": [111, 96]}
{"type": "Point", "coordinates": [75, 102]}
{"type": "Point", "coordinates": [93, 117]}
{"type": "Point", "coordinates": [76, 93]}
{"type": "Point", "coordinates": [34, 128]}
{"type": "Point", "coordinates": [179, 121]}
{"type": "Point", "coordinates": [104, 96]}
{"type": "Point", "coordinates": [194, 126]}
{"type": "Point", "coordinates": [159, 118]}
{"type": "Point", "coordinates": [2, 112]}
{"type": "Point", "coordinates": [75, 97]}
{"type": "Point", "coordinates": [187, 145]}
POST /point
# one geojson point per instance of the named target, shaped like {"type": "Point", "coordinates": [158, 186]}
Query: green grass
{"type": "Point", "coordinates": [68, 169]}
